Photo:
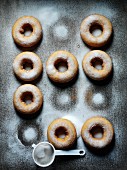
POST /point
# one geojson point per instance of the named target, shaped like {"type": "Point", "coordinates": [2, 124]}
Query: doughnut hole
{"type": "Point", "coordinates": [96, 30]}
{"type": "Point", "coordinates": [97, 63]}
{"type": "Point", "coordinates": [61, 132]}
{"type": "Point", "coordinates": [27, 64]}
{"type": "Point", "coordinates": [27, 98]}
{"type": "Point", "coordinates": [81, 152]}
{"type": "Point", "coordinates": [97, 132]}
{"type": "Point", "coordinates": [61, 65]}
{"type": "Point", "coordinates": [26, 30]}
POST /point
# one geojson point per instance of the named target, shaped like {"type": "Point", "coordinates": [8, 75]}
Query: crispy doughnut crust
{"type": "Point", "coordinates": [18, 31]}
{"type": "Point", "coordinates": [70, 137]}
{"type": "Point", "coordinates": [91, 21]}
{"type": "Point", "coordinates": [36, 103]}
{"type": "Point", "coordinates": [91, 71]}
{"type": "Point", "coordinates": [62, 77]}
{"type": "Point", "coordinates": [108, 132]}
{"type": "Point", "coordinates": [27, 75]}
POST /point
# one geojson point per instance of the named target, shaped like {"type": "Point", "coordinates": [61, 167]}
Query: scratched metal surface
{"type": "Point", "coordinates": [83, 98]}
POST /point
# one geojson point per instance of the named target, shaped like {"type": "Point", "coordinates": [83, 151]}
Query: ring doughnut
{"type": "Point", "coordinates": [27, 58]}
{"type": "Point", "coordinates": [62, 77]}
{"type": "Point", "coordinates": [62, 127]}
{"type": "Point", "coordinates": [24, 91]}
{"type": "Point", "coordinates": [96, 20]}
{"type": "Point", "coordinates": [107, 132]}
{"type": "Point", "coordinates": [91, 58]}
{"type": "Point", "coordinates": [18, 31]}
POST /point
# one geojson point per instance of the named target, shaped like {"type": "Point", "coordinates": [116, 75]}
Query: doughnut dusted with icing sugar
{"type": "Point", "coordinates": [24, 91]}
{"type": "Point", "coordinates": [62, 77]}
{"type": "Point", "coordinates": [19, 28]}
{"type": "Point", "coordinates": [90, 124]}
{"type": "Point", "coordinates": [67, 128]}
{"type": "Point", "coordinates": [91, 71]}
{"type": "Point", "coordinates": [31, 58]}
{"type": "Point", "coordinates": [92, 21]}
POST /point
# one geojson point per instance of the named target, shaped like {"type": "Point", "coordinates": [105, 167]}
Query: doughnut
{"type": "Point", "coordinates": [19, 28]}
{"type": "Point", "coordinates": [107, 132]}
{"type": "Point", "coordinates": [61, 127]}
{"type": "Point", "coordinates": [91, 58]}
{"type": "Point", "coordinates": [30, 58]}
{"type": "Point", "coordinates": [58, 57]}
{"type": "Point", "coordinates": [93, 21]}
{"type": "Point", "coordinates": [22, 93]}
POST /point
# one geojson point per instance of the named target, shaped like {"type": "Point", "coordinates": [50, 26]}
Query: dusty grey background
{"type": "Point", "coordinates": [83, 98]}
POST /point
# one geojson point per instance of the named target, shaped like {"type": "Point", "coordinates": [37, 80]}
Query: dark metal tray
{"type": "Point", "coordinates": [17, 132]}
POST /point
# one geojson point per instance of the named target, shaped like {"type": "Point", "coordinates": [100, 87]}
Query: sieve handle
{"type": "Point", "coordinates": [75, 152]}
{"type": "Point", "coordinates": [33, 145]}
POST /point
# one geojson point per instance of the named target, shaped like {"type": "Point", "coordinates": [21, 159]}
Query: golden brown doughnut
{"type": "Point", "coordinates": [92, 21]}
{"type": "Point", "coordinates": [65, 127]}
{"type": "Point", "coordinates": [62, 77]}
{"type": "Point", "coordinates": [94, 122]}
{"type": "Point", "coordinates": [22, 93]}
{"type": "Point", "coordinates": [27, 57]}
{"type": "Point", "coordinates": [88, 67]}
{"type": "Point", "coordinates": [19, 28]}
